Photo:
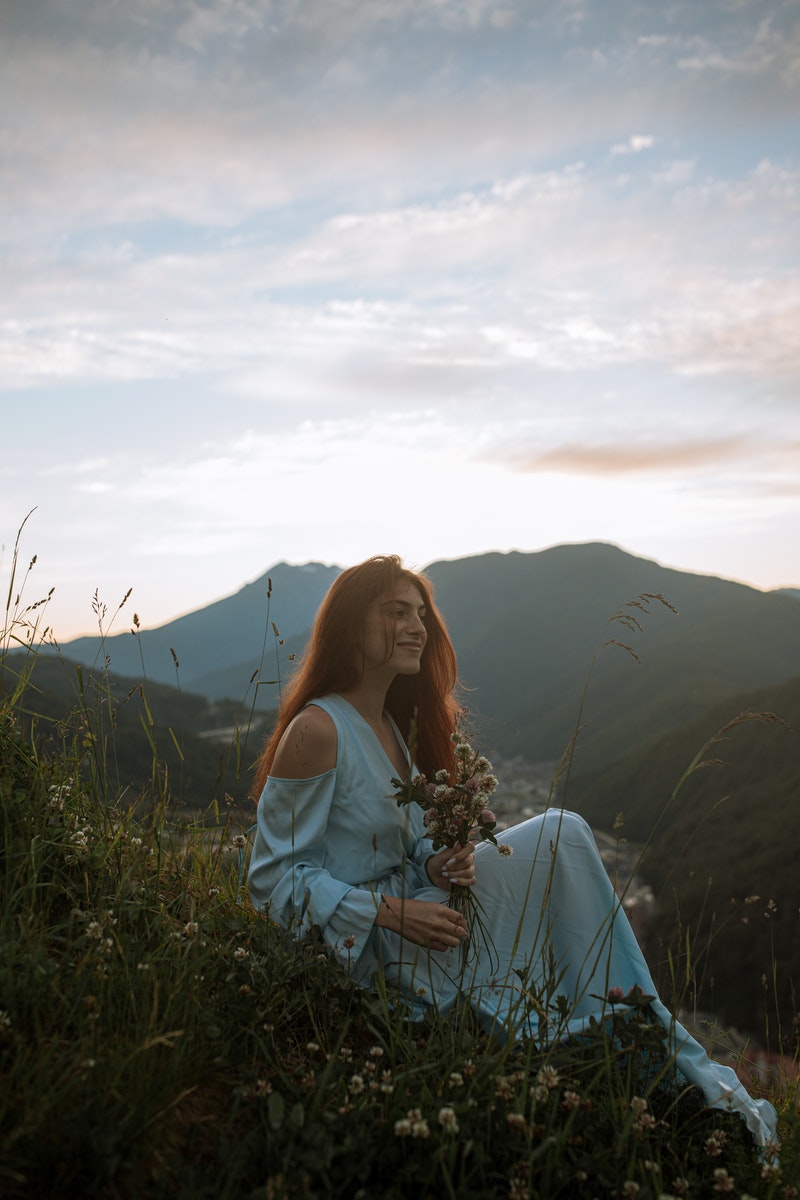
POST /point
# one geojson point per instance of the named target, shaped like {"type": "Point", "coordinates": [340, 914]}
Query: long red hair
{"type": "Point", "coordinates": [423, 705]}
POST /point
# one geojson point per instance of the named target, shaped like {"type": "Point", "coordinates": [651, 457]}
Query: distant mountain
{"type": "Point", "coordinates": [525, 627]}
{"type": "Point", "coordinates": [721, 855]}
{"type": "Point", "coordinates": [219, 647]}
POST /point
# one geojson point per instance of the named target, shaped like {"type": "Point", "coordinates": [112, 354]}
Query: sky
{"type": "Point", "coordinates": [309, 280]}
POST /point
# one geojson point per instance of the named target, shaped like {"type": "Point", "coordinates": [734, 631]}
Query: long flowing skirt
{"type": "Point", "coordinates": [550, 923]}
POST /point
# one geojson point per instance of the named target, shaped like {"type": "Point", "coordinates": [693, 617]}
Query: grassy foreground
{"type": "Point", "coordinates": [159, 1038]}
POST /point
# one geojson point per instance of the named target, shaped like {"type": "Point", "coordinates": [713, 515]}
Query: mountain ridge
{"type": "Point", "coordinates": [526, 626]}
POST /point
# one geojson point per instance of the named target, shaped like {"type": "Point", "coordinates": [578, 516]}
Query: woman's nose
{"type": "Point", "coordinates": [417, 624]}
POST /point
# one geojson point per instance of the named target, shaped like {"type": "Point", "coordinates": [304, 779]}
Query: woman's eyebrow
{"type": "Point", "coordinates": [403, 604]}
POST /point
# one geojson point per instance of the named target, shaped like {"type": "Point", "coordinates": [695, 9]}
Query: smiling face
{"type": "Point", "coordinates": [394, 631]}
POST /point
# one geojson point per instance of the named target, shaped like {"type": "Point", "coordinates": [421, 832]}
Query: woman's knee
{"type": "Point", "coordinates": [561, 824]}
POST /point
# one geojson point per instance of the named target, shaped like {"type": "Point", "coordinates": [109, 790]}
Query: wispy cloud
{"type": "Point", "coordinates": [623, 458]}
{"type": "Point", "coordinates": [635, 144]}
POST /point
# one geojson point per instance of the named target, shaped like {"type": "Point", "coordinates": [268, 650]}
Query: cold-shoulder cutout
{"type": "Point", "coordinates": [308, 747]}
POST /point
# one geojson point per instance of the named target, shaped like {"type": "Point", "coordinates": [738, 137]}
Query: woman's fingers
{"type": "Point", "coordinates": [450, 931]}
{"type": "Point", "coordinates": [425, 922]}
{"type": "Point", "coordinates": [459, 868]}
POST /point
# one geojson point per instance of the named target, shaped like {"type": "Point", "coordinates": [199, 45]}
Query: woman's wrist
{"type": "Point", "coordinates": [386, 917]}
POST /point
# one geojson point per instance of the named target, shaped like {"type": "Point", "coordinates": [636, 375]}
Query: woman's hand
{"type": "Point", "coordinates": [453, 865]}
{"type": "Point", "coordinates": [424, 922]}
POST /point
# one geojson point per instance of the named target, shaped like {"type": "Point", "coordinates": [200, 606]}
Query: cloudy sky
{"type": "Point", "coordinates": [316, 279]}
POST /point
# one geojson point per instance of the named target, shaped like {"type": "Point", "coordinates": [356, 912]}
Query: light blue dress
{"type": "Point", "coordinates": [328, 847]}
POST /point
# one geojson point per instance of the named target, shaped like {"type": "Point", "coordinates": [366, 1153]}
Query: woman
{"type": "Point", "coordinates": [336, 852]}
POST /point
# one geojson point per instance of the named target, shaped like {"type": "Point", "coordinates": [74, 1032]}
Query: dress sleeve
{"type": "Point", "coordinates": [287, 872]}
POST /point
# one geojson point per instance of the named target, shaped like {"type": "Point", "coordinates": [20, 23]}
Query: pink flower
{"type": "Point", "coordinates": [487, 817]}
{"type": "Point", "coordinates": [615, 995]}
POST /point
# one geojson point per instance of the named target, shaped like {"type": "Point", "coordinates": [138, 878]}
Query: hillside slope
{"type": "Point", "coordinates": [201, 758]}
{"type": "Point", "coordinates": [730, 834]}
{"type": "Point", "coordinates": [526, 627]}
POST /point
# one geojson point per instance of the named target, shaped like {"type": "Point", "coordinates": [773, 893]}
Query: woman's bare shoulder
{"type": "Point", "coordinates": [308, 746]}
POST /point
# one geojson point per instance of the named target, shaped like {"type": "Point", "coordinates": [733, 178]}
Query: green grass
{"type": "Point", "coordinates": [158, 1038]}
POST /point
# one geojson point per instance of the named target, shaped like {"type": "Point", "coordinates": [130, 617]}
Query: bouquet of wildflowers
{"type": "Point", "coordinates": [456, 812]}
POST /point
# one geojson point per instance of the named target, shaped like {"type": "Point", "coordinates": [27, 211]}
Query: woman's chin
{"type": "Point", "coordinates": [408, 667]}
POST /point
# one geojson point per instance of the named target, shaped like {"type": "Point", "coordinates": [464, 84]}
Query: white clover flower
{"type": "Point", "coordinates": [402, 1128]}
{"type": "Point", "coordinates": [356, 1085]}
{"type": "Point", "coordinates": [517, 1122]}
{"type": "Point", "coordinates": [548, 1077]}
{"type": "Point", "coordinates": [448, 1120]}
{"type": "Point", "coordinates": [505, 850]}
{"type": "Point", "coordinates": [240, 953]}
{"type": "Point", "coordinates": [456, 1079]}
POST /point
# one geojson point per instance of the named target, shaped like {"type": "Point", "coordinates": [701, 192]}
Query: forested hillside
{"type": "Point", "coordinates": [722, 853]}
{"type": "Point", "coordinates": [203, 750]}
{"type": "Point", "coordinates": [526, 628]}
